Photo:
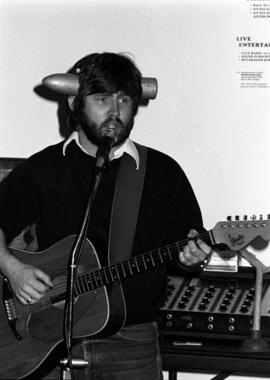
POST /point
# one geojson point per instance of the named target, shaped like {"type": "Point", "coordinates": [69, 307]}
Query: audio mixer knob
{"type": "Point", "coordinates": [244, 309]}
{"type": "Point", "coordinates": [205, 299]}
{"type": "Point", "coordinates": [202, 306]}
{"type": "Point", "coordinates": [247, 303]}
{"type": "Point", "coordinates": [226, 301]}
{"type": "Point", "coordinates": [181, 305]}
{"type": "Point", "coordinates": [223, 307]}
{"type": "Point", "coordinates": [184, 298]}
{"type": "Point", "coordinates": [250, 295]}
{"type": "Point", "coordinates": [171, 287]}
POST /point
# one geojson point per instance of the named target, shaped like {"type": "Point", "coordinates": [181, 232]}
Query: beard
{"type": "Point", "coordinates": [96, 132]}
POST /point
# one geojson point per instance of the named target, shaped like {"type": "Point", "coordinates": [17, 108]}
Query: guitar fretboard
{"type": "Point", "coordinates": [135, 265]}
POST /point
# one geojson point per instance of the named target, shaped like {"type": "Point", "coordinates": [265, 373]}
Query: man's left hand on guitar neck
{"type": "Point", "coordinates": [195, 252]}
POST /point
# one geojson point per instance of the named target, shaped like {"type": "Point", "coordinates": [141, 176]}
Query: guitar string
{"type": "Point", "coordinates": [125, 268]}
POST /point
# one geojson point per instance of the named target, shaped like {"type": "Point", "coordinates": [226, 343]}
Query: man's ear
{"type": "Point", "coordinates": [71, 102]}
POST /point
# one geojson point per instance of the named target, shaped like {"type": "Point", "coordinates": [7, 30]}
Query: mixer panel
{"type": "Point", "coordinates": [213, 306]}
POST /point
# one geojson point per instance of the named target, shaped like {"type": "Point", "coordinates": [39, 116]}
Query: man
{"type": "Point", "coordinates": [51, 188]}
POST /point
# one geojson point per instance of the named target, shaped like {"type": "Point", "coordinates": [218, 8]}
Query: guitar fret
{"type": "Point", "coordinates": [94, 278]}
{"type": "Point", "coordinates": [103, 273]}
{"type": "Point", "coordinates": [130, 268]}
{"type": "Point", "coordinates": [98, 279]}
{"type": "Point", "coordinates": [134, 265]}
{"type": "Point", "coordinates": [178, 246]}
{"type": "Point", "coordinates": [89, 283]}
{"type": "Point", "coordinates": [116, 274]}
{"type": "Point", "coordinates": [78, 285]}
{"type": "Point", "coordinates": [123, 269]}
{"type": "Point", "coordinates": [110, 271]}
{"type": "Point", "coordinates": [144, 263]}
{"type": "Point", "coordinates": [148, 259]}
{"type": "Point", "coordinates": [160, 256]}
{"type": "Point", "coordinates": [152, 260]}
{"type": "Point", "coordinates": [82, 284]}
{"type": "Point", "coordinates": [168, 250]}
{"type": "Point", "coordinates": [138, 269]}
{"type": "Point", "coordinates": [76, 290]}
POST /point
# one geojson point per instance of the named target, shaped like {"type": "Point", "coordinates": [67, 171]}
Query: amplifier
{"type": "Point", "coordinates": [213, 306]}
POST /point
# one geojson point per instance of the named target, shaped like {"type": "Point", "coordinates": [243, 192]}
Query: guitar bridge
{"type": "Point", "coordinates": [10, 308]}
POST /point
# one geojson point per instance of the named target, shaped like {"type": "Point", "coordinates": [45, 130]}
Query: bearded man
{"type": "Point", "coordinates": [51, 188]}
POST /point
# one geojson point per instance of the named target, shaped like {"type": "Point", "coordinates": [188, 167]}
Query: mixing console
{"type": "Point", "coordinates": [213, 307]}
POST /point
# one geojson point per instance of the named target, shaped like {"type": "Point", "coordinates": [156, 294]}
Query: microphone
{"type": "Point", "coordinates": [104, 150]}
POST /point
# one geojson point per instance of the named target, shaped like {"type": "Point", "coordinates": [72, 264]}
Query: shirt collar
{"type": "Point", "coordinates": [128, 147]}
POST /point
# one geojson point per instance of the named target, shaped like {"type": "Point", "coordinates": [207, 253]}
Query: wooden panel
{"type": "Point", "coordinates": [7, 164]}
{"type": "Point", "coordinates": [27, 238]}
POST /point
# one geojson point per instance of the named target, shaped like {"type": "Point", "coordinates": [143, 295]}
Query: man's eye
{"type": "Point", "coordinates": [103, 99]}
{"type": "Point", "coordinates": [125, 99]}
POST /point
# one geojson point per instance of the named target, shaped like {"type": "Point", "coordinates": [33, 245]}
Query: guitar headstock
{"type": "Point", "coordinates": [237, 234]}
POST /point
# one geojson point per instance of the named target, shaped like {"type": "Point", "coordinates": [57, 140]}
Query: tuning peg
{"type": "Point", "coordinates": [237, 217]}
{"type": "Point", "coordinates": [254, 217]}
{"type": "Point", "coordinates": [229, 218]}
{"type": "Point", "coordinates": [245, 217]}
{"type": "Point", "coordinates": [268, 216]}
{"type": "Point", "coordinates": [261, 216]}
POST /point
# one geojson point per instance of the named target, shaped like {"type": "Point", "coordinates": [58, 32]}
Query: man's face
{"type": "Point", "coordinates": [107, 114]}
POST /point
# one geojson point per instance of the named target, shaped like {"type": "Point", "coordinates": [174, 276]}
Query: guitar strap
{"type": "Point", "coordinates": [126, 203]}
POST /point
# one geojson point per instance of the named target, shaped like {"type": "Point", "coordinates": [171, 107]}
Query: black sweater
{"type": "Point", "coordinates": [52, 190]}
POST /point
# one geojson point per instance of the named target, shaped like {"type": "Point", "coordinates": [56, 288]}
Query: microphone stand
{"type": "Point", "coordinates": [256, 343]}
{"type": "Point", "coordinates": [68, 363]}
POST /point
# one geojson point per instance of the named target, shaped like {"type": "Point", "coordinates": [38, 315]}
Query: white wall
{"type": "Point", "coordinates": [216, 130]}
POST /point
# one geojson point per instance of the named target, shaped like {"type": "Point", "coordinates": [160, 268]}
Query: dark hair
{"type": "Point", "coordinates": [107, 72]}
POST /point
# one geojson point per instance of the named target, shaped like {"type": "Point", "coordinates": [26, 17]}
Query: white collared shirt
{"type": "Point", "coordinates": [128, 147]}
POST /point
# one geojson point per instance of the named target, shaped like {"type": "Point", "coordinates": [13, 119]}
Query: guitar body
{"type": "Point", "coordinates": [38, 328]}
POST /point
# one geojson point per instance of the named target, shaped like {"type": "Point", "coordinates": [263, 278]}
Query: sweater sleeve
{"type": "Point", "coordinates": [181, 214]}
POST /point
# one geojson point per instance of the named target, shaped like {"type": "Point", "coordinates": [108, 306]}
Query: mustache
{"type": "Point", "coordinates": [113, 119]}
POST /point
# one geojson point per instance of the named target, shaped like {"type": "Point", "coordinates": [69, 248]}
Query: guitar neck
{"type": "Point", "coordinates": [130, 267]}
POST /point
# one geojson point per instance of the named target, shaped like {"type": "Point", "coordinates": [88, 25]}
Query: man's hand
{"type": "Point", "coordinates": [195, 251]}
{"type": "Point", "coordinates": [28, 283]}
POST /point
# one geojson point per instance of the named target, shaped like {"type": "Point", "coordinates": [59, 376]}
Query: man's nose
{"type": "Point", "coordinates": [114, 107]}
